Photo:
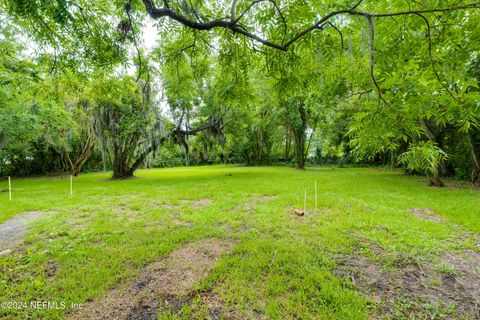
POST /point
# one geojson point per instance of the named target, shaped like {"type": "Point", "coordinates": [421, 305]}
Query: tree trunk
{"type": "Point", "coordinates": [300, 138]}
{"type": "Point", "coordinates": [75, 167]}
{"type": "Point", "coordinates": [121, 170]}
{"type": "Point", "coordinates": [225, 158]}
{"type": "Point", "coordinates": [392, 160]}
{"type": "Point", "coordinates": [287, 146]}
{"type": "Point", "coordinates": [435, 181]}
{"type": "Point", "coordinates": [475, 147]}
{"type": "Point", "coordinates": [300, 150]}
{"type": "Point", "coordinates": [311, 136]}
{"type": "Point", "coordinates": [120, 165]}
{"type": "Point", "coordinates": [441, 169]}
{"type": "Point", "coordinates": [187, 152]}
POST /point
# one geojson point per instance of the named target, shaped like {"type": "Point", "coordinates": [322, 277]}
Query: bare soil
{"type": "Point", "coordinates": [419, 285]}
{"type": "Point", "coordinates": [13, 231]}
{"type": "Point", "coordinates": [162, 205]}
{"type": "Point", "coordinates": [426, 214]}
{"type": "Point", "coordinates": [198, 203]}
{"type": "Point", "coordinates": [162, 283]}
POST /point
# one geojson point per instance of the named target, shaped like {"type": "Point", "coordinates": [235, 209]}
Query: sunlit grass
{"type": "Point", "coordinates": [281, 265]}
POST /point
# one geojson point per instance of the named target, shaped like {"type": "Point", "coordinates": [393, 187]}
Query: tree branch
{"type": "Point", "coordinates": [128, 7]}
{"type": "Point", "coordinates": [372, 58]}
{"type": "Point", "coordinates": [232, 24]}
{"type": "Point", "coordinates": [157, 13]}
{"type": "Point", "coordinates": [339, 32]}
{"type": "Point", "coordinates": [430, 54]}
{"type": "Point", "coordinates": [357, 5]}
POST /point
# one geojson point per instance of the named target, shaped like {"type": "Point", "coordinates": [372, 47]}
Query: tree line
{"type": "Point", "coordinates": [255, 82]}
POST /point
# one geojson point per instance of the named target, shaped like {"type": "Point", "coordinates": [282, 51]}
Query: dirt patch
{"type": "Point", "coordinates": [426, 214]}
{"type": "Point", "coordinates": [13, 231]}
{"type": "Point", "coordinates": [419, 285]}
{"type": "Point", "coordinates": [173, 276]}
{"type": "Point", "coordinates": [366, 276]}
{"type": "Point", "coordinates": [466, 277]}
{"type": "Point", "coordinates": [162, 205]}
{"type": "Point", "coordinates": [51, 269]}
{"type": "Point", "coordinates": [198, 203]}
{"type": "Point", "coordinates": [182, 223]}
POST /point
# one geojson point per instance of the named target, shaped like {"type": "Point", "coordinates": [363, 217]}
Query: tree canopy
{"type": "Point", "coordinates": [255, 82]}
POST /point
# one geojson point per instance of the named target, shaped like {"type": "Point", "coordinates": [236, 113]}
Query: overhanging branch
{"type": "Point", "coordinates": [430, 54]}
{"type": "Point", "coordinates": [231, 23]}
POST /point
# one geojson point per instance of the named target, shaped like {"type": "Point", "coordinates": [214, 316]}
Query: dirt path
{"type": "Point", "coordinates": [159, 283]}
{"type": "Point", "coordinates": [13, 231]}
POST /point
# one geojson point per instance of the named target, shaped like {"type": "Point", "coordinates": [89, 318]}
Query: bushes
{"type": "Point", "coordinates": [167, 157]}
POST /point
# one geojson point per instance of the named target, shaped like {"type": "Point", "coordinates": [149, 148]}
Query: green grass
{"type": "Point", "coordinates": [281, 266]}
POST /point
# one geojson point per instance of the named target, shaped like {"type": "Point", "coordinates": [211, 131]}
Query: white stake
{"type": "Point", "coordinates": [10, 188]}
{"type": "Point", "coordinates": [305, 201]}
{"type": "Point", "coordinates": [316, 203]}
{"type": "Point", "coordinates": [71, 185]}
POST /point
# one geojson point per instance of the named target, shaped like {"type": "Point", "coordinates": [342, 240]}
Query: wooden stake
{"type": "Point", "coordinates": [71, 185]}
{"type": "Point", "coordinates": [10, 188]}
{"type": "Point", "coordinates": [316, 203]}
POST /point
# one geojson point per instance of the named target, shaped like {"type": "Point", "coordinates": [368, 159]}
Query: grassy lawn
{"type": "Point", "coordinates": [352, 258]}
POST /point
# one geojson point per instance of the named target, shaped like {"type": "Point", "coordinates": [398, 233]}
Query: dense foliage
{"type": "Point", "coordinates": [255, 82]}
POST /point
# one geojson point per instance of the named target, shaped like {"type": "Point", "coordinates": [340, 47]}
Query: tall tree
{"type": "Point", "coordinates": [128, 124]}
